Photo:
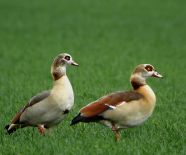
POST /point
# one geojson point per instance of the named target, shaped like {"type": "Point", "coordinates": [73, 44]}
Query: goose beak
{"type": "Point", "coordinates": [74, 63]}
{"type": "Point", "coordinates": [157, 75]}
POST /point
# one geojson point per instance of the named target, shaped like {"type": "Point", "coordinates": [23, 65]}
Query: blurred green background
{"type": "Point", "coordinates": [108, 39]}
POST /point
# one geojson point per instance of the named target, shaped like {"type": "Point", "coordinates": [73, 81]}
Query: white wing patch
{"type": "Point", "coordinates": [110, 106]}
{"type": "Point", "coordinates": [121, 103]}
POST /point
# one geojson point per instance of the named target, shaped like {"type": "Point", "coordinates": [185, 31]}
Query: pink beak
{"type": "Point", "coordinates": [157, 75]}
{"type": "Point", "coordinates": [74, 63]}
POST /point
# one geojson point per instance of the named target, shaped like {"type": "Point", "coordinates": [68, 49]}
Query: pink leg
{"type": "Point", "coordinates": [116, 132]}
{"type": "Point", "coordinates": [41, 129]}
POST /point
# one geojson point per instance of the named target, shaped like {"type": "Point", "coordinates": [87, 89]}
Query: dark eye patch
{"type": "Point", "coordinates": [149, 68]}
{"type": "Point", "coordinates": [67, 57]}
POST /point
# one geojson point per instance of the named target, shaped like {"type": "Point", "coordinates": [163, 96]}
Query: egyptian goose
{"type": "Point", "coordinates": [49, 107]}
{"type": "Point", "coordinates": [123, 109]}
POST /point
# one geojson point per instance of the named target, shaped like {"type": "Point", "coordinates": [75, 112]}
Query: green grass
{"type": "Point", "coordinates": [108, 39]}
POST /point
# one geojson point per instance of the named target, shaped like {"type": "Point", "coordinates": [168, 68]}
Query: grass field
{"type": "Point", "coordinates": [108, 39]}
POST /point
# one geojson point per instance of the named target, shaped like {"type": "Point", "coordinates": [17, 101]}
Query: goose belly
{"type": "Point", "coordinates": [133, 121]}
{"type": "Point", "coordinates": [42, 113]}
{"type": "Point", "coordinates": [129, 114]}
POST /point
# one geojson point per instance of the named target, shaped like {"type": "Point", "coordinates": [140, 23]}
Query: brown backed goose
{"type": "Point", "coordinates": [123, 109]}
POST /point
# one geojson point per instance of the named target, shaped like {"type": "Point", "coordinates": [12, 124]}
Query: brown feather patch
{"type": "Point", "coordinates": [57, 74]}
{"type": "Point", "coordinates": [136, 84]}
{"type": "Point", "coordinates": [149, 68]}
{"type": "Point", "coordinates": [114, 99]}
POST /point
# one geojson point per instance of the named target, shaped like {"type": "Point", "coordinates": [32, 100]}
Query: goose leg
{"type": "Point", "coordinates": [41, 129]}
{"type": "Point", "coordinates": [116, 132]}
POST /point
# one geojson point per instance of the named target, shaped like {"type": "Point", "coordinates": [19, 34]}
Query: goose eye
{"type": "Point", "coordinates": [67, 58]}
{"type": "Point", "coordinates": [149, 68]}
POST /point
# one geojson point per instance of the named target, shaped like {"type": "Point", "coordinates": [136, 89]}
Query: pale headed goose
{"type": "Point", "coordinates": [49, 107]}
{"type": "Point", "coordinates": [123, 109]}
